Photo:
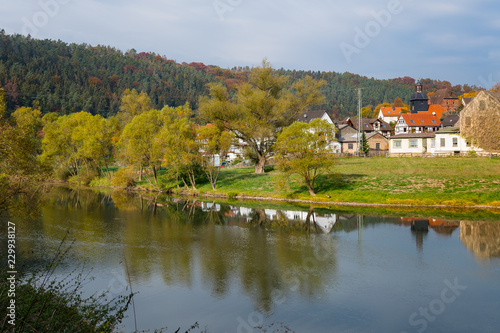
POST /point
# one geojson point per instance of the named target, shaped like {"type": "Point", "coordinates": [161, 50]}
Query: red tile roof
{"type": "Point", "coordinates": [421, 119]}
{"type": "Point", "coordinates": [438, 109]}
{"type": "Point", "coordinates": [389, 111]}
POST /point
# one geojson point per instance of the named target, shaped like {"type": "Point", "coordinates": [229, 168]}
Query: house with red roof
{"type": "Point", "coordinates": [390, 113]}
{"type": "Point", "coordinates": [421, 122]}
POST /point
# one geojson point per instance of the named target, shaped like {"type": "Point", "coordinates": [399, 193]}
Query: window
{"type": "Point", "coordinates": [377, 145]}
{"type": "Point", "coordinates": [413, 143]}
{"type": "Point", "coordinates": [443, 142]}
{"type": "Point", "coordinates": [467, 121]}
{"type": "Point", "coordinates": [433, 143]}
{"type": "Point", "coordinates": [350, 146]}
{"type": "Point", "coordinates": [411, 121]}
{"type": "Point", "coordinates": [434, 121]}
{"type": "Point", "coordinates": [455, 142]}
{"type": "Point", "coordinates": [396, 144]}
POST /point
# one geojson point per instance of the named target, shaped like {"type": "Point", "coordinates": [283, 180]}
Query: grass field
{"type": "Point", "coordinates": [416, 181]}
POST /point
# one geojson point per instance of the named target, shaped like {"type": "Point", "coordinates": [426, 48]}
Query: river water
{"type": "Point", "coordinates": [255, 267]}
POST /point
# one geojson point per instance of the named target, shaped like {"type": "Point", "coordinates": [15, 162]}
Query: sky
{"type": "Point", "coordinates": [452, 40]}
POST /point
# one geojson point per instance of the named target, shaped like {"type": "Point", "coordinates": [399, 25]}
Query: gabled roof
{"type": "Point", "coordinates": [413, 135]}
{"type": "Point", "coordinates": [367, 124]}
{"type": "Point", "coordinates": [389, 111]}
{"type": "Point", "coordinates": [441, 94]}
{"type": "Point", "coordinates": [311, 115]}
{"type": "Point", "coordinates": [450, 120]}
{"type": "Point", "coordinates": [421, 119]}
{"type": "Point", "coordinates": [353, 137]}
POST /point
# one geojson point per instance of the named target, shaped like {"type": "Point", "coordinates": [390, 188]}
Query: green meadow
{"type": "Point", "coordinates": [445, 181]}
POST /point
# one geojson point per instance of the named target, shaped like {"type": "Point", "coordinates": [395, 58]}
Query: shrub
{"type": "Point", "coordinates": [124, 177]}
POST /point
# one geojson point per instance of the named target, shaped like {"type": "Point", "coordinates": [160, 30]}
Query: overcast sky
{"type": "Point", "coordinates": [453, 40]}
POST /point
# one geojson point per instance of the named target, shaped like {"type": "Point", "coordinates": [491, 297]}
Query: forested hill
{"type": "Point", "coordinates": [68, 78]}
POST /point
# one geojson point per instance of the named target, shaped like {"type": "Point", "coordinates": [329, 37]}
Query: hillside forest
{"type": "Point", "coordinates": [67, 78]}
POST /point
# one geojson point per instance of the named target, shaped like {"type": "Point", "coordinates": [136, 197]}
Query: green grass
{"type": "Point", "coordinates": [414, 181]}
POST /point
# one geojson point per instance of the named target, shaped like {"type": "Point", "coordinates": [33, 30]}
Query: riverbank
{"type": "Point", "coordinates": [372, 182]}
{"type": "Point", "coordinates": [404, 182]}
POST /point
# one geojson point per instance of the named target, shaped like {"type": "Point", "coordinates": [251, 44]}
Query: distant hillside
{"type": "Point", "coordinates": [69, 78]}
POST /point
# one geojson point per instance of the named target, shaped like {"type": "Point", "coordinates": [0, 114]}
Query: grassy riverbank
{"type": "Point", "coordinates": [411, 181]}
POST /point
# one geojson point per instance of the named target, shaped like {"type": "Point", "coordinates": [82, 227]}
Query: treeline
{"type": "Point", "coordinates": [67, 78]}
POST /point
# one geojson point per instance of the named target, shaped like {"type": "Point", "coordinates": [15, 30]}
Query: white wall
{"type": "Point", "coordinates": [405, 146]}
{"type": "Point", "coordinates": [449, 148]}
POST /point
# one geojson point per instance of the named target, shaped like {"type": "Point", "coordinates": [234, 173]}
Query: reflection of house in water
{"type": "Point", "coordinates": [441, 227]}
{"type": "Point", "coordinates": [481, 238]}
{"type": "Point", "coordinates": [242, 215]}
{"type": "Point", "coordinates": [420, 228]}
{"type": "Point", "coordinates": [209, 206]}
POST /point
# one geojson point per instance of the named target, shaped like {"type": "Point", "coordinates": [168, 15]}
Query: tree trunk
{"type": "Point", "coordinates": [259, 166]}
{"type": "Point", "coordinates": [310, 188]}
{"type": "Point", "coordinates": [154, 174]}
{"type": "Point", "coordinates": [107, 170]}
{"type": "Point", "coordinates": [140, 173]}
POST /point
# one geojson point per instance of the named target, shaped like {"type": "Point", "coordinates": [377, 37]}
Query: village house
{"type": "Point", "coordinates": [379, 144]}
{"type": "Point", "coordinates": [371, 125]}
{"type": "Point", "coordinates": [411, 144]}
{"type": "Point", "coordinates": [308, 116]}
{"type": "Point", "coordinates": [444, 142]}
{"type": "Point", "coordinates": [449, 142]}
{"type": "Point", "coordinates": [391, 114]}
{"type": "Point", "coordinates": [417, 123]}
{"type": "Point", "coordinates": [445, 98]}
{"type": "Point", "coordinates": [482, 116]}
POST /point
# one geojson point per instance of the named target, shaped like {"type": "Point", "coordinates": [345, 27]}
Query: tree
{"type": "Point", "coordinates": [214, 144]}
{"type": "Point", "coordinates": [496, 87]}
{"type": "Point", "coordinates": [366, 112]}
{"type": "Point", "coordinates": [260, 109]}
{"type": "Point", "coordinates": [3, 103]}
{"type": "Point", "coordinates": [136, 140]}
{"type": "Point", "coordinates": [79, 140]}
{"type": "Point", "coordinates": [398, 102]}
{"type": "Point", "coordinates": [365, 147]}
{"type": "Point", "coordinates": [179, 145]}
{"type": "Point", "coordinates": [305, 149]}
{"type": "Point", "coordinates": [133, 104]}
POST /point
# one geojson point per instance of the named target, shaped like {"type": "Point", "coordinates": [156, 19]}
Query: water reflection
{"type": "Point", "coordinates": [481, 238]}
{"type": "Point", "coordinates": [260, 251]}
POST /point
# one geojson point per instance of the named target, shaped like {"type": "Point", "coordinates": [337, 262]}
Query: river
{"type": "Point", "coordinates": [255, 267]}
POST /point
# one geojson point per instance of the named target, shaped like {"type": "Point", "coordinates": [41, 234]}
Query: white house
{"type": "Point", "coordinates": [410, 144]}
{"type": "Point", "coordinates": [446, 141]}
{"type": "Point", "coordinates": [390, 114]}
{"type": "Point", "coordinates": [449, 141]}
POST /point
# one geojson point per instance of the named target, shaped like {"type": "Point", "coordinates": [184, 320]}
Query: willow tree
{"type": "Point", "coordinates": [214, 144]}
{"type": "Point", "coordinates": [260, 109]}
{"type": "Point", "coordinates": [136, 140]}
{"type": "Point", "coordinates": [178, 145]}
{"type": "Point", "coordinates": [306, 150]}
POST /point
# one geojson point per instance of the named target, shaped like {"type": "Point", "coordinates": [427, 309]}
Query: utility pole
{"type": "Point", "coordinates": [359, 122]}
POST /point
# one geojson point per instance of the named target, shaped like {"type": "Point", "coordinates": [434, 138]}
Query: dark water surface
{"type": "Point", "coordinates": [248, 267]}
